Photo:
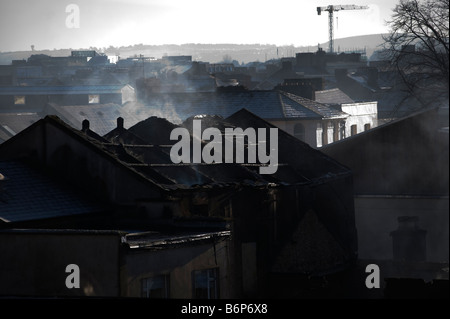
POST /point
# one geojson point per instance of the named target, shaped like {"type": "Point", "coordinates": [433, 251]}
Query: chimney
{"type": "Point", "coordinates": [3, 180]}
{"type": "Point", "coordinates": [85, 125]}
{"type": "Point", "coordinates": [409, 241]}
{"type": "Point", "coordinates": [372, 77]}
{"type": "Point", "coordinates": [120, 123]}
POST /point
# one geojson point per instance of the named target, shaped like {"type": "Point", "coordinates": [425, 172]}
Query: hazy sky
{"type": "Point", "coordinates": [102, 23]}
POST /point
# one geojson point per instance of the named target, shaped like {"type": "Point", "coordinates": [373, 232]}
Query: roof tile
{"type": "Point", "coordinates": [28, 195]}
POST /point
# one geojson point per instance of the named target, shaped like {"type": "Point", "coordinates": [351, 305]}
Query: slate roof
{"type": "Point", "coordinates": [333, 96]}
{"type": "Point", "coordinates": [29, 194]}
{"type": "Point", "coordinates": [323, 110]}
{"type": "Point", "coordinates": [291, 109]}
{"type": "Point", "coordinates": [4, 135]}
{"type": "Point", "coordinates": [13, 123]}
{"type": "Point", "coordinates": [270, 105]}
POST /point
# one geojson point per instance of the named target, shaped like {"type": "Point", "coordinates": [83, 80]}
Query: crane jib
{"type": "Point", "coordinates": [331, 9]}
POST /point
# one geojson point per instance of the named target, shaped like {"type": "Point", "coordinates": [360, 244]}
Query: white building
{"type": "Point", "coordinates": [362, 115]}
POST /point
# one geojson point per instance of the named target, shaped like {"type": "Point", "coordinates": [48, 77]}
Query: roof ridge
{"type": "Point", "coordinates": [298, 99]}
{"type": "Point", "coordinates": [328, 90]}
{"type": "Point", "coordinates": [312, 105]}
{"type": "Point", "coordinates": [96, 145]}
{"type": "Point", "coordinates": [283, 110]}
{"type": "Point", "coordinates": [341, 95]}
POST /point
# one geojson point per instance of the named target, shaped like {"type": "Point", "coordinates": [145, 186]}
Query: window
{"type": "Point", "coordinates": [155, 287]}
{"type": "Point", "coordinates": [341, 130]}
{"type": "Point", "coordinates": [94, 98]}
{"type": "Point", "coordinates": [330, 132]}
{"type": "Point", "coordinates": [205, 283]}
{"type": "Point", "coordinates": [353, 130]}
{"type": "Point", "coordinates": [366, 127]}
{"type": "Point", "coordinates": [19, 100]}
{"type": "Point", "coordinates": [319, 135]}
{"type": "Point", "coordinates": [299, 131]}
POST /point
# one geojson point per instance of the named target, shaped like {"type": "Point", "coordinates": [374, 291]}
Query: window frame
{"type": "Point", "coordinates": [210, 279]}
{"type": "Point", "coordinates": [145, 290]}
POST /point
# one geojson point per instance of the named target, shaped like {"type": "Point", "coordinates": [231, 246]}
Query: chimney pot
{"type": "Point", "coordinates": [120, 122]}
{"type": "Point", "coordinates": [85, 125]}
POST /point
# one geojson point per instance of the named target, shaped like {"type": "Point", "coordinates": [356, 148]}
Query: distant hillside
{"type": "Point", "coordinates": [370, 42]}
{"type": "Point", "coordinates": [214, 53]}
{"type": "Point", "coordinates": [7, 57]}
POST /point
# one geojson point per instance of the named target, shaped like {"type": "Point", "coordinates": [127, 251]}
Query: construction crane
{"type": "Point", "coordinates": [331, 9]}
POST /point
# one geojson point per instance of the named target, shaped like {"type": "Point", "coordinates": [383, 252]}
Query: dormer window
{"type": "Point", "coordinates": [94, 98]}
{"type": "Point", "coordinates": [19, 100]}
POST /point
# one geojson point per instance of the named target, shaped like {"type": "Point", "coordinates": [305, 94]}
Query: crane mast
{"type": "Point", "coordinates": [331, 9]}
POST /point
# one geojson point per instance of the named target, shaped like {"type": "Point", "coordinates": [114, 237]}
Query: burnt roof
{"type": "Point", "coordinates": [154, 130]}
{"type": "Point", "coordinates": [308, 162]}
{"type": "Point", "coordinates": [298, 162]}
{"type": "Point", "coordinates": [208, 120]}
{"type": "Point", "coordinates": [122, 135]}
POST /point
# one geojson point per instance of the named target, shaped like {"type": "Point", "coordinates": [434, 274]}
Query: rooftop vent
{"type": "Point", "coordinates": [85, 125]}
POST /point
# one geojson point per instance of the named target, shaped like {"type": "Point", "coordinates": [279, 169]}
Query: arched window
{"type": "Point", "coordinates": [299, 131]}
